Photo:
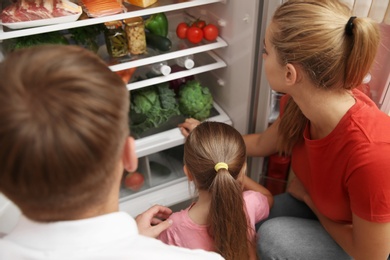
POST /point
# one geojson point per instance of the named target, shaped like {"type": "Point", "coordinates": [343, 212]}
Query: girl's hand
{"type": "Point", "coordinates": [296, 189]}
{"type": "Point", "coordinates": [188, 125]}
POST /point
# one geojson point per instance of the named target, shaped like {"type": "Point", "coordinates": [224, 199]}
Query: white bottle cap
{"type": "Point", "coordinates": [189, 64]}
{"type": "Point", "coordinates": [165, 70]}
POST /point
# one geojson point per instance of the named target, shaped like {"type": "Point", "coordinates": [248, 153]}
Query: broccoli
{"type": "Point", "coordinates": [195, 100]}
{"type": "Point", "coordinates": [152, 106]}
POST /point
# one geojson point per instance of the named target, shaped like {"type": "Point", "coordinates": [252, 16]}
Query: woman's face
{"type": "Point", "coordinates": [274, 71]}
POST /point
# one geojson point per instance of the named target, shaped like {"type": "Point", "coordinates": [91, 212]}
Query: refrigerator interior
{"type": "Point", "coordinates": [225, 66]}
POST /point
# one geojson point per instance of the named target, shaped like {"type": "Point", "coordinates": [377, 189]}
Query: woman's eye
{"type": "Point", "coordinates": [264, 51]}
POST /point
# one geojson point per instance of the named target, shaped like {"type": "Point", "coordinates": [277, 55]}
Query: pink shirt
{"type": "Point", "coordinates": [185, 233]}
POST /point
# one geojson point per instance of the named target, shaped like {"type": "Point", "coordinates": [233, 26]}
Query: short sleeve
{"type": "Point", "coordinates": [369, 183]}
{"type": "Point", "coordinates": [256, 205]}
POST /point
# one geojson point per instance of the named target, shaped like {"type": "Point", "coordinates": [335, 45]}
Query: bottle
{"type": "Point", "coordinates": [160, 68]}
{"type": "Point", "coordinates": [186, 61]}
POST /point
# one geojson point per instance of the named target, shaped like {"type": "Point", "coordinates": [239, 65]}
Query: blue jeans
{"type": "Point", "coordinates": [292, 231]}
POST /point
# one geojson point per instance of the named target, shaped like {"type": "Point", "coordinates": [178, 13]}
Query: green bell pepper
{"type": "Point", "coordinates": [157, 24]}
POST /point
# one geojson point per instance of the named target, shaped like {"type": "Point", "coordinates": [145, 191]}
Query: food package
{"type": "Point", "coordinates": [100, 8]}
{"type": "Point", "coordinates": [31, 10]}
{"type": "Point", "coordinates": [141, 3]}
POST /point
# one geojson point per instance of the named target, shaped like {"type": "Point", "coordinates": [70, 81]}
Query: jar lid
{"type": "Point", "coordinates": [113, 24]}
{"type": "Point", "coordinates": [133, 21]}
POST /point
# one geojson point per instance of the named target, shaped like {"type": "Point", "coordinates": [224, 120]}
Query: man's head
{"type": "Point", "coordinates": [63, 126]}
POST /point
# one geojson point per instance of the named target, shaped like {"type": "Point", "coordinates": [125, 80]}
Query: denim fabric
{"type": "Point", "coordinates": [292, 231]}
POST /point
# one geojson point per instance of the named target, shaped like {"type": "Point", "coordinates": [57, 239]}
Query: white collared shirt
{"type": "Point", "coordinates": [111, 236]}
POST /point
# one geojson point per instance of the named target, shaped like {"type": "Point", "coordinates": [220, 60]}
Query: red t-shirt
{"type": "Point", "coordinates": [349, 170]}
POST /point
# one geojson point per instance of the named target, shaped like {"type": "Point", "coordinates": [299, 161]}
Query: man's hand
{"type": "Point", "coordinates": [188, 125]}
{"type": "Point", "coordinates": [154, 221]}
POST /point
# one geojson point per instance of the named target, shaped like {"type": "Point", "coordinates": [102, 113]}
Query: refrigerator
{"type": "Point", "coordinates": [231, 67]}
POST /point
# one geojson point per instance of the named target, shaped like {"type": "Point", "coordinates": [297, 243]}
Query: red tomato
{"type": "Point", "coordinates": [210, 32]}
{"type": "Point", "coordinates": [181, 30]}
{"type": "Point", "coordinates": [134, 181]}
{"type": "Point", "coordinates": [199, 23]}
{"type": "Point", "coordinates": [194, 34]}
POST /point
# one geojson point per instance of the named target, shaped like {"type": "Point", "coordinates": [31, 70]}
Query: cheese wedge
{"type": "Point", "coordinates": [141, 3]}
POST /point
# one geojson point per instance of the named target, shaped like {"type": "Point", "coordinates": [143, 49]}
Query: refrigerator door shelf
{"type": "Point", "coordinates": [132, 11]}
{"type": "Point", "coordinates": [171, 138]}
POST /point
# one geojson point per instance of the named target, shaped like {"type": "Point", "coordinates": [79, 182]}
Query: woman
{"type": "Point", "coordinates": [338, 206]}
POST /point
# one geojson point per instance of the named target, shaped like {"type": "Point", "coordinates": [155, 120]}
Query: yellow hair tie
{"type": "Point", "coordinates": [220, 165]}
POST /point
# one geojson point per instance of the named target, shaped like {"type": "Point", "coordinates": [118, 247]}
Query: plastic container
{"type": "Point", "coordinates": [186, 61]}
{"type": "Point", "coordinates": [276, 178]}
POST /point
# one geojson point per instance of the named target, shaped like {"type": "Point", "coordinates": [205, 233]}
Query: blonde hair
{"type": "Point", "coordinates": [208, 144]}
{"type": "Point", "coordinates": [313, 35]}
{"type": "Point", "coordinates": [63, 122]}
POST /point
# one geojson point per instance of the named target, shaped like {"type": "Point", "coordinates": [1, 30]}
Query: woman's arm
{"type": "Point", "coordinates": [250, 184]}
{"type": "Point", "coordinates": [262, 144]}
{"type": "Point", "coordinates": [361, 239]}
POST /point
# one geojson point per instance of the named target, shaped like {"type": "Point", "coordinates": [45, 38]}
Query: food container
{"type": "Point", "coordinates": [141, 3]}
{"type": "Point", "coordinates": [115, 39]}
{"type": "Point", "coordinates": [135, 31]}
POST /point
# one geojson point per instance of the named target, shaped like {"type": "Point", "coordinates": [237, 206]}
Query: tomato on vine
{"type": "Point", "coordinates": [210, 32]}
{"type": "Point", "coordinates": [199, 23]}
{"type": "Point", "coordinates": [194, 34]}
{"type": "Point", "coordinates": [181, 30]}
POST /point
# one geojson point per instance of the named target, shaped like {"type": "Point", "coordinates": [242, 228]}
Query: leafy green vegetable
{"type": "Point", "coordinates": [152, 106]}
{"type": "Point", "coordinates": [87, 36]}
{"type": "Point", "coordinates": [38, 39]}
{"type": "Point", "coordinates": [195, 100]}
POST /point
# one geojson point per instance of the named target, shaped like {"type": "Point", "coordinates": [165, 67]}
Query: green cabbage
{"type": "Point", "coordinates": [195, 100]}
{"type": "Point", "coordinates": [152, 106]}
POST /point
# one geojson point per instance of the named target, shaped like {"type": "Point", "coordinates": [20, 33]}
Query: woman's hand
{"type": "Point", "coordinates": [296, 189]}
{"type": "Point", "coordinates": [188, 125]}
{"type": "Point", "coordinates": [154, 221]}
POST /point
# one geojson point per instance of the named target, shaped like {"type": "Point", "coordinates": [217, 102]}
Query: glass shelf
{"type": "Point", "coordinates": [132, 11]}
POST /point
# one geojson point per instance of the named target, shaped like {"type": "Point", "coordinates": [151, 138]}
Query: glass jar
{"type": "Point", "coordinates": [115, 39]}
{"type": "Point", "coordinates": [135, 31]}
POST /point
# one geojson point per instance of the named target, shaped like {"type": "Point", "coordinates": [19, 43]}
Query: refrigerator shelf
{"type": "Point", "coordinates": [132, 11]}
{"type": "Point", "coordinates": [157, 142]}
{"type": "Point", "coordinates": [203, 62]}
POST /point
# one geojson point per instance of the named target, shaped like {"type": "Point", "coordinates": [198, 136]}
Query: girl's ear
{"type": "Point", "coordinates": [187, 173]}
{"type": "Point", "coordinates": [129, 157]}
{"type": "Point", "coordinates": [292, 74]}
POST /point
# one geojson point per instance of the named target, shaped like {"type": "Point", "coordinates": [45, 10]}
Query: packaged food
{"type": "Point", "coordinates": [115, 39]}
{"type": "Point", "coordinates": [100, 8]}
{"type": "Point", "coordinates": [141, 3]}
{"type": "Point", "coordinates": [135, 31]}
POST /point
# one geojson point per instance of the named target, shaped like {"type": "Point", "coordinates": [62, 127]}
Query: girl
{"type": "Point", "coordinates": [223, 218]}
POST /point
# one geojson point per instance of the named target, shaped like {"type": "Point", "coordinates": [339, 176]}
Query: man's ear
{"type": "Point", "coordinates": [129, 157]}
{"type": "Point", "coordinates": [187, 173]}
{"type": "Point", "coordinates": [291, 75]}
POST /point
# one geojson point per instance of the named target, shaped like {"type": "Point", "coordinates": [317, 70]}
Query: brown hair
{"type": "Point", "coordinates": [208, 144]}
{"type": "Point", "coordinates": [313, 35]}
{"type": "Point", "coordinates": [63, 122]}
